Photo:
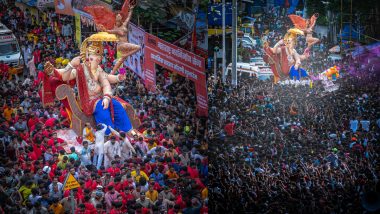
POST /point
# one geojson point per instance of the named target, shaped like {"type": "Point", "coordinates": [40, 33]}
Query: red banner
{"type": "Point", "coordinates": [177, 60]}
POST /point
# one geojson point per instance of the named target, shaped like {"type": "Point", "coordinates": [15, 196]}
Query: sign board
{"type": "Point", "coordinates": [177, 60]}
{"type": "Point", "coordinates": [70, 183]}
{"type": "Point", "coordinates": [135, 62]}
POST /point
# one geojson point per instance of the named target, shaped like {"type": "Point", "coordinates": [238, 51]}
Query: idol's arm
{"type": "Point", "coordinates": [276, 48]}
{"type": "Point", "coordinates": [65, 74]}
{"type": "Point", "coordinates": [116, 32]}
{"type": "Point", "coordinates": [298, 60]}
{"type": "Point", "coordinates": [106, 86]}
{"type": "Point", "coordinates": [113, 79]}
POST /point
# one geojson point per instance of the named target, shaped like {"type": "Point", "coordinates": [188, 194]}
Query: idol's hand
{"type": "Point", "coordinates": [105, 103]}
{"type": "Point", "coordinates": [101, 28]}
{"type": "Point", "coordinates": [75, 62]}
{"type": "Point", "coordinates": [121, 77]}
{"type": "Point", "coordinates": [132, 4]}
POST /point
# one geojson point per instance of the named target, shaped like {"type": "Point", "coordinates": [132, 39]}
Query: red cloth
{"type": "Point", "coordinates": [204, 210]}
{"type": "Point", "coordinates": [90, 207]}
{"type": "Point", "coordinates": [37, 56]}
{"type": "Point", "coordinates": [33, 156]}
{"type": "Point", "coordinates": [127, 197]}
{"type": "Point", "coordinates": [86, 104]}
{"type": "Point", "coordinates": [193, 172]}
{"type": "Point", "coordinates": [113, 171]}
{"type": "Point", "coordinates": [4, 69]}
{"type": "Point", "coordinates": [50, 122]}
{"type": "Point", "coordinates": [63, 113]}
{"type": "Point", "coordinates": [38, 150]}
{"type": "Point", "coordinates": [33, 122]}
{"type": "Point", "coordinates": [91, 184]}
{"type": "Point", "coordinates": [229, 129]}
{"type": "Point", "coordinates": [51, 141]}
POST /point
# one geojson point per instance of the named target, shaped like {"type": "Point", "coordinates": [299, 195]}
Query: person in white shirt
{"type": "Point", "coordinates": [141, 147]}
{"type": "Point", "coordinates": [126, 146]}
{"type": "Point", "coordinates": [32, 67]}
{"type": "Point", "coordinates": [99, 145]}
{"type": "Point", "coordinates": [85, 154]}
{"type": "Point", "coordinates": [111, 149]}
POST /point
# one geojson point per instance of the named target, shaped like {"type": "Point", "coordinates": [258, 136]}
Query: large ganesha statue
{"type": "Point", "coordinates": [95, 102]}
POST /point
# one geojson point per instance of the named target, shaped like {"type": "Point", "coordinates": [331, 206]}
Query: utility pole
{"type": "Point", "coordinates": [216, 50]}
{"type": "Point", "coordinates": [234, 45]}
{"type": "Point", "coordinates": [224, 41]}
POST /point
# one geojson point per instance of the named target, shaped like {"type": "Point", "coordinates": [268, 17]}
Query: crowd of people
{"type": "Point", "coordinates": [162, 170]}
{"type": "Point", "coordinates": [296, 148]}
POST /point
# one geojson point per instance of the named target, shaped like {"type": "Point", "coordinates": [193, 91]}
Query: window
{"type": "Point", "coordinates": [8, 48]}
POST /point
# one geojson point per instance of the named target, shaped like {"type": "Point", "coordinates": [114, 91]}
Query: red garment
{"type": "Point", "coordinates": [40, 76]}
{"type": "Point", "coordinates": [37, 56]}
{"type": "Point", "coordinates": [35, 83]}
{"type": "Point", "coordinates": [193, 172]}
{"type": "Point", "coordinates": [38, 150]}
{"type": "Point", "coordinates": [90, 207]}
{"type": "Point", "coordinates": [113, 171]}
{"type": "Point", "coordinates": [180, 202]}
{"type": "Point", "coordinates": [32, 156]}
{"type": "Point", "coordinates": [118, 186]}
{"type": "Point", "coordinates": [33, 122]}
{"type": "Point", "coordinates": [145, 210]}
{"type": "Point", "coordinates": [114, 211]}
{"type": "Point", "coordinates": [46, 133]}
{"type": "Point", "coordinates": [78, 197]}
{"type": "Point", "coordinates": [4, 69]}
{"type": "Point", "coordinates": [56, 149]}
{"type": "Point", "coordinates": [50, 122]}
{"type": "Point", "coordinates": [87, 104]}
{"type": "Point", "coordinates": [63, 113]}
{"type": "Point", "coordinates": [229, 129]}
{"type": "Point", "coordinates": [204, 210]}
{"type": "Point", "coordinates": [51, 141]}
{"type": "Point", "coordinates": [91, 184]}
{"type": "Point", "coordinates": [127, 197]}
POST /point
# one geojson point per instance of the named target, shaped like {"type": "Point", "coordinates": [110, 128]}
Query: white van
{"type": "Point", "coordinates": [243, 69]}
{"type": "Point", "coordinates": [249, 70]}
{"type": "Point", "coordinates": [10, 51]}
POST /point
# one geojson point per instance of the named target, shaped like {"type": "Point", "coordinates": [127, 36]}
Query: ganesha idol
{"type": "Point", "coordinates": [95, 102]}
{"type": "Point", "coordinates": [283, 58]}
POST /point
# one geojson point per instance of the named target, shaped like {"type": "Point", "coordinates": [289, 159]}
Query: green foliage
{"type": "Point", "coordinates": [169, 36]}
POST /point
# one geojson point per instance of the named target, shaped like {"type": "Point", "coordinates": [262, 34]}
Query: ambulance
{"type": "Point", "coordinates": [10, 52]}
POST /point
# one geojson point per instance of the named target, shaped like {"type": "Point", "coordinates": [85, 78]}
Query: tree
{"type": "Point", "coordinates": [365, 11]}
{"type": "Point", "coordinates": [150, 12]}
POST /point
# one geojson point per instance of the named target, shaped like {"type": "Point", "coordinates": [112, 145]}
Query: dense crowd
{"type": "Point", "coordinates": [164, 170]}
{"type": "Point", "coordinates": [296, 148]}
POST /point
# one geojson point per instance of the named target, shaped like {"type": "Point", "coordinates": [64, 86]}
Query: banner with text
{"type": "Point", "coordinates": [177, 60]}
{"type": "Point", "coordinates": [135, 62]}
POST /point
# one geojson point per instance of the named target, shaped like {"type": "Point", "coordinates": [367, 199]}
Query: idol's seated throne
{"type": "Point", "coordinates": [78, 118]}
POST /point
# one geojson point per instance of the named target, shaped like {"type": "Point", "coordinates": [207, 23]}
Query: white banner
{"type": "Point", "coordinates": [135, 62]}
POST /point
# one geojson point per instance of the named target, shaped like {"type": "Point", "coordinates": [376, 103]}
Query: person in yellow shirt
{"type": "Point", "coordinates": [152, 194]}
{"type": "Point", "coordinates": [151, 144]}
{"type": "Point", "coordinates": [204, 193]}
{"type": "Point", "coordinates": [61, 155]}
{"type": "Point", "coordinates": [136, 174]}
{"type": "Point", "coordinates": [88, 133]}
{"type": "Point", "coordinates": [172, 174]}
{"type": "Point", "coordinates": [56, 207]}
{"type": "Point", "coordinates": [26, 189]}
{"type": "Point", "coordinates": [7, 113]}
